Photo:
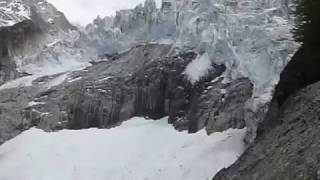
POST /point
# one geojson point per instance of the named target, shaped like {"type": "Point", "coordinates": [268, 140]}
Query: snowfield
{"type": "Point", "coordinates": [139, 149]}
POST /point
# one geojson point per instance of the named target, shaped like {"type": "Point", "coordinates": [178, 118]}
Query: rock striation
{"type": "Point", "coordinates": [147, 80]}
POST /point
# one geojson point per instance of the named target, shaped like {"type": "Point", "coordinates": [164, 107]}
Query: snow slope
{"type": "Point", "coordinates": [137, 150]}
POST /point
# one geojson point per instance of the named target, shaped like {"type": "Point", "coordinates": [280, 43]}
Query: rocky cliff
{"type": "Point", "coordinates": [287, 137]}
{"type": "Point", "coordinates": [289, 150]}
{"type": "Point", "coordinates": [253, 56]}
{"type": "Point", "coordinates": [251, 39]}
{"type": "Point", "coordinates": [34, 35]}
{"type": "Point", "coordinates": [147, 81]}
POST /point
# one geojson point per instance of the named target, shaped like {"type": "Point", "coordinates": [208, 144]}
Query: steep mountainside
{"type": "Point", "coordinates": [251, 38]}
{"type": "Point", "coordinates": [290, 149]}
{"type": "Point", "coordinates": [209, 64]}
{"type": "Point", "coordinates": [35, 35]}
{"type": "Point", "coordinates": [148, 80]}
{"type": "Point", "coordinates": [288, 136]}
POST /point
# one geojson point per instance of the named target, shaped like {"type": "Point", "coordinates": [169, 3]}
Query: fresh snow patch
{"type": "Point", "coordinates": [138, 149]}
{"type": "Point", "coordinates": [198, 68]}
{"type": "Point", "coordinates": [27, 81]}
{"type": "Point", "coordinates": [44, 114]}
{"type": "Point", "coordinates": [21, 82]}
{"type": "Point", "coordinates": [50, 20]}
{"type": "Point", "coordinates": [56, 81]}
{"type": "Point", "coordinates": [51, 68]}
{"type": "Point", "coordinates": [105, 79]}
{"type": "Point", "coordinates": [33, 103]}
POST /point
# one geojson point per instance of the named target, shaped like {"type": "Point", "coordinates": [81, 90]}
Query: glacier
{"type": "Point", "coordinates": [252, 38]}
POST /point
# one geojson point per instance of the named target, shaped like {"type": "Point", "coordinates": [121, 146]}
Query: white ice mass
{"type": "Point", "coordinates": [139, 149]}
{"type": "Point", "coordinates": [198, 68]}
{"type": "Point", "coordinates": [251, 38]}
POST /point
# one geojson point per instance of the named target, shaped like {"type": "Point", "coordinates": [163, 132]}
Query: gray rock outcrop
{"type": "Point", "coordinates": [289, 150]}
{"type": "Point", "coordinates": [288, 135]}
{"type": "Point", "coordinates": [147, 80]}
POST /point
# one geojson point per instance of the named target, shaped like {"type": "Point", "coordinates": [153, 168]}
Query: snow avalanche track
{"type": "Point", "coordinates": [136, 150]}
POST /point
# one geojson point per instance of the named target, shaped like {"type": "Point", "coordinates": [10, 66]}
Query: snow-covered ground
{"type": "Point", "coordinates": [62, 70]}
{"type": "Point", "coordinates": [137, 150]}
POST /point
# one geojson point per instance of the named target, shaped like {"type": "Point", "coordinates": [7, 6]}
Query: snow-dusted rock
{"type": "Point", "coordinates": [252, 38]}
{"type": "Point", "coordinates": [38, 39]}
{"type": "Point", "coordinates": [148, 80]}
{"type": "Point", "coordinates": [13, 12]}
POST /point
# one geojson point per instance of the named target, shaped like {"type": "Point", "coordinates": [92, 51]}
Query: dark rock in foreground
{"type": "Point", "coordinates": [289, 151]}
{"type": "Point", "coordinates": [288, 142]}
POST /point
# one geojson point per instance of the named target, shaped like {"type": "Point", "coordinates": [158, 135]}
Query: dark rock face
{"type": "Point", "coordinates": [143, 82]}
{"type": "Point", "coordinates": [146, 81]}
{"type": "Point", "coordinates": [7, 67]}
{"type": "Point", "coordinates": [11, 116]}
{"type": "Point", "coordinates": [185, 100]}
{"type": "Point", "coordinates": [302, 70]}
{"type": "Point", "coordinates": [290, 150]}
{"type": "Point", "coordinates": [12, 41]}
{"type": "Point", "coordinates": [221, 106]}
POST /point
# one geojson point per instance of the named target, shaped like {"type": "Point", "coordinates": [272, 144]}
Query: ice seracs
{"type": "Point", "coordinates": [252, 38]}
